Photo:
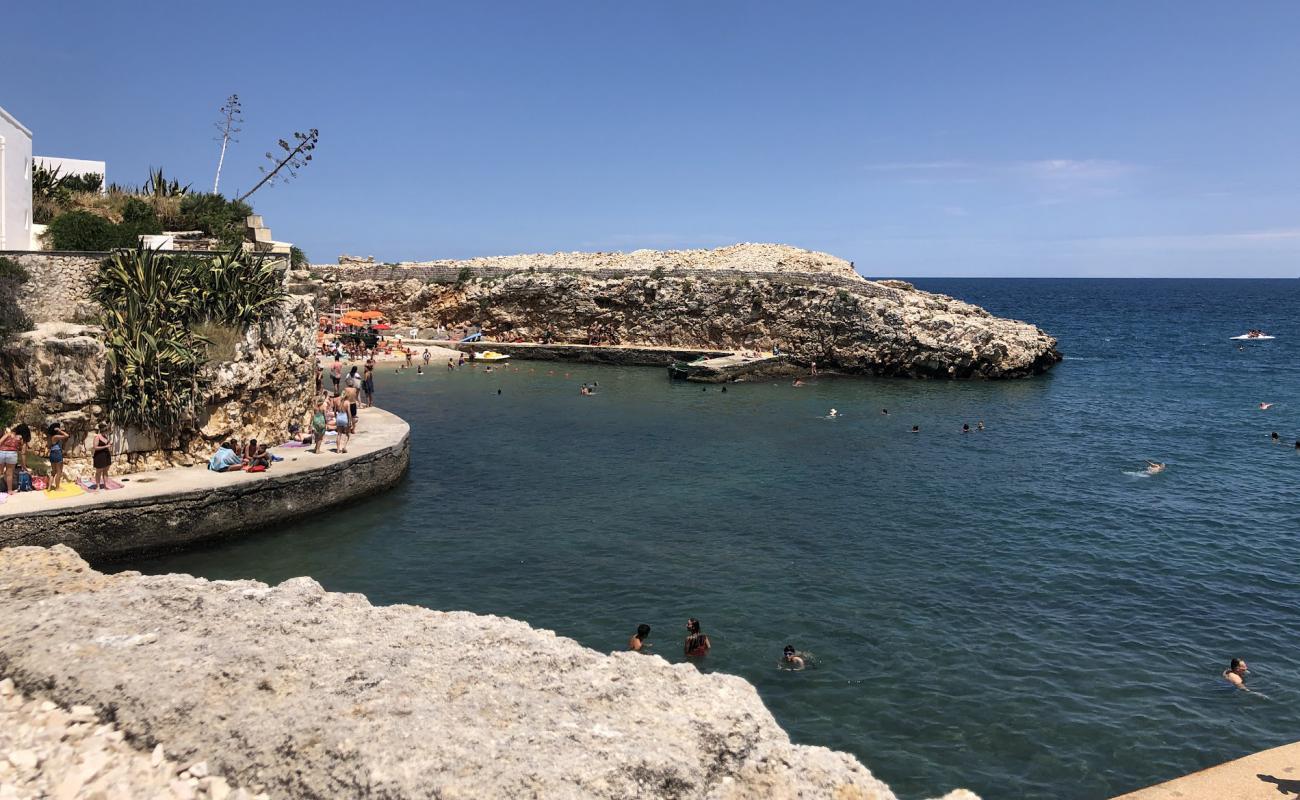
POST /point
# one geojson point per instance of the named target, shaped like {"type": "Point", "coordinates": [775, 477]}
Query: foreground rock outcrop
{"type": "Point", "coordinates": [48, 751]}
{"type": "Point", "coordinates": [814, 306]}
{"type": "Point", "coordinates": [320, 695]}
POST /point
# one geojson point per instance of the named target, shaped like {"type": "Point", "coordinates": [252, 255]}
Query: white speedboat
{"type": "Point", "coordinates": [1252, 337]}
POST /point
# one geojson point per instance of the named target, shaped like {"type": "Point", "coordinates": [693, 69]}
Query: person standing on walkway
{"type": "Point", "coordinates": [368, 383]}
{"type": "Point", "coordinates": [102, 455]}
{"type": "Point", "coordinates": [352, 393]}
{"type": "Point", "coordinates": [320, 422]}
{"type": "Point", "coordinates": [342, 424]}
{"type": "Point", "coordinates": [13, 453]}
{"type": "Point", "coordinates": [57, 436]}
{"type": "Point", "coordinates": [336, 372]}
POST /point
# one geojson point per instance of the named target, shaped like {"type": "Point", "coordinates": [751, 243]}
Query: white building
{"type": "Point", "coordinates": [15, 184]}
{"type": "Point", "coordinates": [67, 167]}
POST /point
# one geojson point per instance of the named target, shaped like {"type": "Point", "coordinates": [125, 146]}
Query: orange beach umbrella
{"type": "Point", "coordinates": [371, 314]}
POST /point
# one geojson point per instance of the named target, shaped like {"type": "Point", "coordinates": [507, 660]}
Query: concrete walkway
{"type": "Point", "coordinates": [378, 430]}
{"type": "Point", "coordinates": [1270, 775]}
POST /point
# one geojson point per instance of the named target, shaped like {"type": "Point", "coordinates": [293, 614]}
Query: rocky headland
{"type": "Point", "coordinates": [305, 693]}
{"type": "Point", "coordinates": [814, 306]}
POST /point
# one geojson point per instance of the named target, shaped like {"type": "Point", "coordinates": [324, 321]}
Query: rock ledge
{"type": "Point", "coordinates": [319, 695]}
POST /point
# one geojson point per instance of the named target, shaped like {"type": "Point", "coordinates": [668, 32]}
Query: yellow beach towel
{"type": "Point", "coordinates": [67, 489]}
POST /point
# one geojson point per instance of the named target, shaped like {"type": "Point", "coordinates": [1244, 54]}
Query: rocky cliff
{"type": "Point", "coordinates": [57, 370]}
{"type": "Point", "coordinates": [320, 695]}
{"type": "Point", "coordinates": [812, 305]}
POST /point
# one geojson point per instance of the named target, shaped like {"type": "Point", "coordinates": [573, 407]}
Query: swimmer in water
{"type": "Point", "coordinates": [1236, 673]}
{"type": "Point", "coordinates": [1265, 406]}
{"type": "Point", "coordinates": [979, 426]}
{"type": "Point", "coordinates": [833, 413]}
{"type": "Point", "coordinates": [638, 642]}
{"type": "Point", "coordinates": [1155, 467]}
{"type": "Point", "coordinates": [965, 427]}
{"type": "Point", "coordinates": [1273, 436]}
{"type": "Point", "coordinates": [419, 370]}
{"type": "Point", "coordinates": [697, 643]}
{"type": "Point", "coordinates": [791, 659]}
{"type": "Point", "coordinates": [797, 382]}
{"type": "Point", "coordinates": [916, 429]}
{"type": "Point", "coordinates": [884, 412]}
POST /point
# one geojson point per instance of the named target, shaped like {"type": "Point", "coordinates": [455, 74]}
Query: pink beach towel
{"type": "Point", "coordinates": [89, 485]}
{"type": "Point", "coordinates": [293, 444]}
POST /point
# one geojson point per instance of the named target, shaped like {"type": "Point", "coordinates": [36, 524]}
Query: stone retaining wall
{"type": "Point", "coordinates": [170, 521]}
{"type": "Point", "coordinates": [59, 286]}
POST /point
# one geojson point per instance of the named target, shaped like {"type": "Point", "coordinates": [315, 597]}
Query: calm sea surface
{"type": "Point", "coordinates": [1018, 611]}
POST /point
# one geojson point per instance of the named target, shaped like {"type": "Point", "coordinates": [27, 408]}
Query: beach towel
{"type": "Point", "coordinates": [89, 485]}
{"type": "Point", "coordinates": [294, 443]}
{"type": "Point", "coordinates": [66, 489]}
{"type": "Point", "coordinates": [4, 496]}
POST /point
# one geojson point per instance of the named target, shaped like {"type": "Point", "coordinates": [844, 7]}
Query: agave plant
{"type": "Point", "coordinates": [150, 301]}
{"type": "Point", "coordinates": [158, 186]}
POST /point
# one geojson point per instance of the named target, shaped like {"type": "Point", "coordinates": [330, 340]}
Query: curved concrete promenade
{"type": "Point", "coordinates": [172, 508]}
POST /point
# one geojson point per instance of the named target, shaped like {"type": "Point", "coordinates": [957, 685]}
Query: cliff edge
{"type": "Point", "coordinates": [814, 306]}
{"type": "Point", "coordinates": [319, 695]}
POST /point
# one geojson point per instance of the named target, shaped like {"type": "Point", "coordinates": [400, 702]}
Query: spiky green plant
{"type": "Point", "coordinates": [150, 303]}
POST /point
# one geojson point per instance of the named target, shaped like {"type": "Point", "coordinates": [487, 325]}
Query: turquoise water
{"type": "Point", "coordinates": [1018, 611]}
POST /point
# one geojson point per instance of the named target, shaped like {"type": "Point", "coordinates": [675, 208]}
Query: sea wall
{"type": "Point", "coordinates": [184, 507]}
{"type": "Point", "coordinates": [313, 694]}
{"type": "Point", "coordinates": [813, 306]}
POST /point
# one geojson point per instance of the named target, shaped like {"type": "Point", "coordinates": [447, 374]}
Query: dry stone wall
{"type": "Point", "coordinates": [59, 286]}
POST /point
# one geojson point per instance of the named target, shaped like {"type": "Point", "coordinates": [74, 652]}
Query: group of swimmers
{"type": "Point", "coordinates": [697, 645]}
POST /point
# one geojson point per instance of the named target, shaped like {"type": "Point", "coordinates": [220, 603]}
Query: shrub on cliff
{"type": "Point", "coordinates": [82, 230]}
{"type": "Point", "coordinates": [215, 216]}
{"type": "Point", "coordinates": [12, 318]}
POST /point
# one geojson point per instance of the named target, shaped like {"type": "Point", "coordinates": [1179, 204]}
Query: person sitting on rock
{"type": "Point", "coordinates": [259, 458]}
{"type": "Point", "coordinates": [225, 459]}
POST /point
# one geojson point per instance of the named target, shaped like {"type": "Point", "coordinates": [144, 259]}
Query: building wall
{"type": "Point", "coordinates": [74, 166]}
{"type": "Point", "coordinates": [15, 184]}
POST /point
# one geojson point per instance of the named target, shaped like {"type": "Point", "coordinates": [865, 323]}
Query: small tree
{"type": "Point", "coordinates": [231, 117]}
{"type": "Point", "coordinates": [294, 159]}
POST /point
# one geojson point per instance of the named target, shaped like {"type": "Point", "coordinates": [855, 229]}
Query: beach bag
{"type": "Point", "coordinates": [24, 481]}
{"type": "Point", "coordinates": [258, 468]}
{"type": "Point", "coordinates": [39, 483]}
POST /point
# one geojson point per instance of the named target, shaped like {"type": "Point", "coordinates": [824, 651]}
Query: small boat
{"type": "Point", "coordinates": [491, 355]}
{"type": "Point", "coordinates": [1252, 337]}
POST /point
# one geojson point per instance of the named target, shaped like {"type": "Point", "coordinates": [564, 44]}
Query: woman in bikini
{"type": "Point", "coordinates": [697, 643]}
{"type": "Point", "coordinates": [57, 436]}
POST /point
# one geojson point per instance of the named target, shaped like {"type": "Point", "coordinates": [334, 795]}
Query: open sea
{"type": "Point", "coordinates": [1020, 611]}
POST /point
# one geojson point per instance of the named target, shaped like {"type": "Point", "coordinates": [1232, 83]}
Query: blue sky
{"type": "Point", "coordinates": [914, 138]}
